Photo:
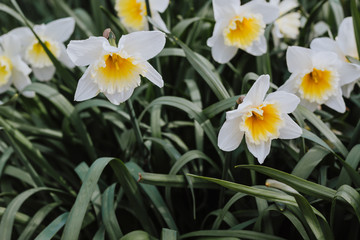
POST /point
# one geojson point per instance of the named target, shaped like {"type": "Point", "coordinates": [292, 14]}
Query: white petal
{"type": "Point", "coordinates": [61, 29]}
{"type": "Point", "coordinates": [346, 38]}
{"type": "Point", "coordinates": [289, 85]}
{"type": "Point", "coordinates": [258, 90]}
{"type": "Point", "coordinates": [326, 44]}
{"type": "Point", "coordinates": [298, 59]}
{"type": "Point", "coordinates": [347, 89]}
{"type": "Point", "coordinates": [5, 87]}
{"type": "Point", "coordinates": [86, 87]}
{"type": "Point", "coordinates": [118, 98]}
{"type": "Point", "coordinates": [10, 44]}
{"type": "Point", "coordinates": [24, 35]}
{"type": "Point", "coordinates": [325, 58]}
{"type": "Point", "coordinates": [159, 5]}
{"type": "Point", "coordinates": [242, 108]}
{"type": "Point", "coordinates": [20, 65]}
{"type": "Point", "coordinates": [336, 102]}
{"type": "Point", "coordinates": [85, 52]}
{"type": "Point", "coordinates": [267, 10]}
{"type": "Point", "coordinates": [45, 73]}
{"type": "Point", "coordinates": [290, 130]}
{"type": "Point", "coordinates": [348, 73]}
{"type": "Point", "coordinates": [220, 52]}
{"type": "Point", "coordinates": [20, 80]}
{"type": "Point", "coordinates": [225, 9]}
{"type": "Point", "coordinates": [218, 30]}
{"type": "Point", "coordinates": [230, 135]}
{"type": "Point", "coordinates": [146, 44]}
{"type": "Point", "coordinates": [311, 106]}
{"type": "Point", "coordinates": [153, 75]}
{"type": "Point", "coordinates": [260, 151]}
{"type": "Point", "coordinates": [159, 22]}
{"type": "Point", "coordinates": [287, 5]}
{"type": "Point", "coordinates": [39, 29]}
{"type": "Point", "coordinates": [258, 48]}
{"type": "Point", "coordinates": [286, 101]}
{"type": "Point", "coordinates": [64, 58]}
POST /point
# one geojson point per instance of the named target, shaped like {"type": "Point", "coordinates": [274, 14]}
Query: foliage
{"type": "Point", "coordinates": [90, 170]}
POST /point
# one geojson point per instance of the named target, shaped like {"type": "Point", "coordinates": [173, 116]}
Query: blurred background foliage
{"type": "Point", "coordinates": [55, 181]}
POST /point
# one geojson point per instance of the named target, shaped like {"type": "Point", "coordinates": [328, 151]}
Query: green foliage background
{"type": "Point", "coordinates": [88, 170]}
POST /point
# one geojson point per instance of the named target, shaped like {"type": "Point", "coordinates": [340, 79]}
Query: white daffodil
{"type": "Point", "coordinates": [260, 120]}
{"type": "Point", "coordinates": [240, 27]}
{"type": "Point", "coordinates": [288, 24]}
{"type": "Point", "coordinates": [317, 77]}
{"type": "Point", "coordinates": [115, 71]}
{"type": "Point", "coordinates": [52, 35]}
{"type": "Point", "coordinates": [12, 68]}
{"type": "Point", "coordinates": [132, 13]}
{"type": "Point", "coordinates": [344, 45]}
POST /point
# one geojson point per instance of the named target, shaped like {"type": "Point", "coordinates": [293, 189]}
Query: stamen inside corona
{"type": "Point", "coordinates": [116, 73]}
{"type": "Point", "coordinates": [243, 31]}
{"type": "Point", "coordinates": [36, 55]}
{"type": "Point", "coordinates": [132, 13]}
{"type": "Point", "coordinates": [262, 123]}
{"type": "Point", "coordinates": [5, 70]}
{"type": "Point", "coordinates": [318, 85]}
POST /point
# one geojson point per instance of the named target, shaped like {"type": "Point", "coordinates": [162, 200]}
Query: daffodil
{"type": "Point", "coordinates": [52, 35]}
{"type": "Point", "coordinates": [133, 13]}
{"type": "Point", "coordinates": [344, 45]}
{"type": "Point", "coordinates": [260, 120]}
{"type": "Point", "coordinates": [317, 78]}
{"type": "Point", "coordinates": [115, 71]}
{"type": "Point", "coordinates": [240, 27]}
{"type": "Point", "coordinates": [288, 23]}
{"type": "Point", "coordinates": [12, 68]}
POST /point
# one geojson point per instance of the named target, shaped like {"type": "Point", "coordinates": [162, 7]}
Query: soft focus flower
{"type": "Point", "coordinates": [52, 35]}
{"type": "Point", "coordinates": [240, 27]}
{"type": "Point", "coordinates": [288, 24]}
{"type": "Point", "coordinates": [132, 13]}
{"type": "Point", "coordinates": [12, 68]}
{"type": "Point", "coordinates": [260, 120]}
{"type": "Point", "coordinates": [344, 45]}
{"type": "Point", "coordinates": [317, 77]}
{"type": "Point", "coordinates": [115, 71]}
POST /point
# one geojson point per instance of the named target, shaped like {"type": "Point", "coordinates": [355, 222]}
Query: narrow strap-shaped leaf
{"type": "Point", "coordinates": [51, 229]}
{"type": "Point", "coordinates": [356, 20]}
{"type": "Point", "coordinates": [348, 171]}
{"type": "Point", "coordinates": [297, 183]}
{"type": "Point", "coordinates": [168, 234]}
{"type": "Point", "coordinates": [351, 196]}
{"type": "Point", "coordinates": [243, 234]}
{"type": "Point", "coordinates": [108, 213]}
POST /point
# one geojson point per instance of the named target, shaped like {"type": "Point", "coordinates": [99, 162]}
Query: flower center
{"type": "Point", "coordinates": [243, 31]}
{"type": "Point", "coordinates": [116, 73]}
{"type": "Point", "coordinates": [36, 55]}
{"type": "Point", "coordinates": [318, 85]}
{"type": "Point", "coordinates": [262, 123]}
{"type": "Point", "coordinates": [5, 70]}
{"type": "Point", "coordinates": [132, 13]}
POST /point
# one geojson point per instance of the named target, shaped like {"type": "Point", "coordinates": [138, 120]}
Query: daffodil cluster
{"type": "Point", "coordinates": [20, 49]}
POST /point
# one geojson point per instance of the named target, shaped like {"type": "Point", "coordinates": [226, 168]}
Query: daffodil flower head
{"type": "Point", "coordinates": [13, 70]}
{"type": "Point", "coordinates": [133, 13]}
{"type": "Point", "coordinates": [240, 27]}
{"type": "Point", "coordinates": [344, 45]}
{"type": "Point", "coordinates": [317, 78]}
{"type": "Point", "coordinates": [52, 34]}
{"type": "Point", "coordinates": [288, 24]}
{"type": "Point", "coordinates": [116, 70]}
{"type": "Point", "coordinates": [261, 119]}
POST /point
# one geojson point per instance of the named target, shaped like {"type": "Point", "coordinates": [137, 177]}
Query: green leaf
{"type": "Point", "coordinates": [297, 183]}
{"type": "Point", "coordinates": [348, 171]}
{"type": "Point", "coordinates": [181, 26]}
{"type": "Point", "coordinates": [11, 12]}
{"type": "Point", "coordinates": [7, 220]}
{"type": "Point", "coordinates": [351, 197]}
{"type": "Point", "coordinates": [138, 235]}
{"type": "Point", "coordinates": [323, 128]}
{"type": "Point", "coordinates": [168, 234]}
{"type": "Point", "coordinates": [243, 234]}
{"type": "Point", "coordinates": [356, 21]}
{"type": "Point", "coordinates": [108, 213]}
{"type": "Point", "coordinates": [309, 161]}
{"type": "Point", "coordinates": [51, 229]}
{"type": "Point", "coordinates": [206, 71]}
